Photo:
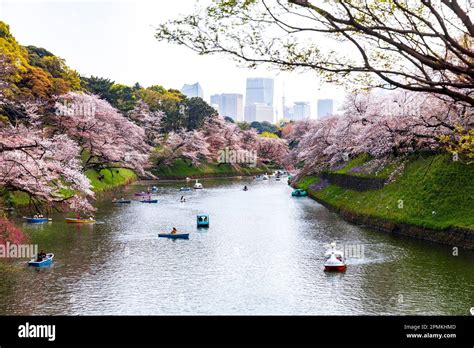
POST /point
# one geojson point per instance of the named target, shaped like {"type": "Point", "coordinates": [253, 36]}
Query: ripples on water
{"type": "Point", "coordinates": [262, 254]}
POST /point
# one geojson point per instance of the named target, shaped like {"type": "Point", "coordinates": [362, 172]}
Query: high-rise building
{"type": "Point", "coordinates": [194, 90]}
{"type": "Point", "coordinates": [259, 92]}
{"type": "Point", "coordinates": [259, 112]}
{"type": "Point", "coordinates": [325, 108]}
{"type": "Point", "coordinates": [301, 111]}
{"type": "Point", "coordinates": [230, 105]}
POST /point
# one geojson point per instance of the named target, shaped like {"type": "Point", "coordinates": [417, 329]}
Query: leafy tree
{"type": "Point", "coordinates": [243, 125]}
{"type": "Point", "coordinates": [98, 86]}
{"type": "Point", "coordinates": [123, 97]}
{"type": "Point", "coordinates": [197, 112]}
{"type": "Point", "coordinates": [264, 127]}
{"type": "Point", "coordinates": [269, 135]}
{"type": "Point", "coordinates": [229, 119]}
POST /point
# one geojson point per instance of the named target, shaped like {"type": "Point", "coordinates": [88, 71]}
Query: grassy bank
{"type": "Point", "coordinates": [182, 169]}
{"type": "Point", "coordinates": [110, 178]}
{"type": "Point", "coordinates": [104, 180]}
{"type": "Point", "coordinates": [432, 192]}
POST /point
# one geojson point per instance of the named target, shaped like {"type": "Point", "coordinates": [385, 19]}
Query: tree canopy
{"type": "Point", "coordinates": [423, 46]}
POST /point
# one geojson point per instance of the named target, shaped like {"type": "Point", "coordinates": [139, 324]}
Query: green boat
{"type": "Point", "coordinates": [299, 193]}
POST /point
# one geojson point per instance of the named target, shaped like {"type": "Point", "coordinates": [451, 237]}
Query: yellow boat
{"type": "Point", "coordinates": [79, 221]}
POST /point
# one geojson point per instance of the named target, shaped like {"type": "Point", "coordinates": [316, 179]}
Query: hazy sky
{"type": "Point", "coordinates": [115, 39]}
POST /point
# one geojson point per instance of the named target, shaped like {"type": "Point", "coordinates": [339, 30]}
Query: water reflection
{"type": "Point", "coordinates": [262, 254]}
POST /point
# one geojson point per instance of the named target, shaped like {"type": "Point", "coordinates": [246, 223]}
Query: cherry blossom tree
{"type": "Point", "coordinates": [106, 137]}
{"type": "Point", "coordinates": [149, 120]}
{"type": "Point", "coordinates": [10, 233]}
{"type": "Point", "coordinates": [189, 145]}
{"type": "Point", "coordinates": [43, 167]}
{"type": "Point", "coordinates": [381, 125]}
{"type": "Point", "coordinates": [272, 150]}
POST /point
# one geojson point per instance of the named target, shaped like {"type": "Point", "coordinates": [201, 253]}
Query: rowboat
{"type": "Point", "coordinates": [140, 194]}
{"type": "Point", "coordinates": [149, 201]}
{"type": "Point", "coordinates": [80, 221]}
{"type": "Point", "coordinates": [299, 193]}
{"type": "Point", "coordinates": [46, 262]}
{"type": "Point", "coordinates": [122, 201]}
{"type": "Point", "coordinates": [36, 220]}
{"type": "Point", "coordinates": [174, 236]}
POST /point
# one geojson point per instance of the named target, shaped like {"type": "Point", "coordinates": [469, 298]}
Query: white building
{"type": "Point", "coordinates": [325, 108]}
{"type": "Point", "coordinates": [259, 100]}
{"type": "Point", "coordinates": [192, 91]}
{"type": "Point", "coordinates": [301, 111]}
{"type": "Point", "coordinates": [259, 112]}
{"type": "Point", "coordinates": [230, 105]}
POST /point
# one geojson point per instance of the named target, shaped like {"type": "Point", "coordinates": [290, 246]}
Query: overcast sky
{"type": "Point", "coordinates": [115, 39]}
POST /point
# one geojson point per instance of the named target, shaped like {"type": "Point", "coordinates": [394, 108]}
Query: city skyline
{"type": "Point", "coordinates": [235, 109]}
{"type": "Point", "coordinates": [110, 27]}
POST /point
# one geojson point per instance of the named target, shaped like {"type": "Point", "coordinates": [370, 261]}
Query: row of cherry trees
{"type": "Point", "coordinates": [45, 151]}
{"type": "Point", "coordinates": [207, 143]}
{"type": "Point", "coordinates": [380, 125]}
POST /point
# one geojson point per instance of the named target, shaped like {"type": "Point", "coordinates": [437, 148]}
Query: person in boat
{"type": "Point", "coordinates": [183, 199]}
{"type": "Point", "coordinates": [36, 216]}
{"type": "Point", "coordinates": [41, 256]}
{"type": "Point", "coordinates": [245, 188]}
{"type": "Point", "coordinates": [174, 230]}
{"type": "Point", "coordinates": [114, 200]}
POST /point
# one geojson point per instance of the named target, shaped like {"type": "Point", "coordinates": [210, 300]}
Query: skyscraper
{"type": "Point", "coordinates": [325, 108]}
{"type": "Point", "coordinates": [301, 111]}
{"type": "Point", "coordinates": [259, 112]}
{"type": "Point", "coordinates": [230, 105]}
{"type": "Point", "coordinates": [194, 90]}
{"type": "Point", "coordinates": [259, 99]}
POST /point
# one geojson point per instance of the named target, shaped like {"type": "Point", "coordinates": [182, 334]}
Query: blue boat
{"type": "Point", "coordinates": [202, 220]}
{"type": "Point", "coordinates": [149, 201]}
{"type": "Point", "coordinates": [36, 220]}
{"type": "Point", "coordinates": [123, 201]}
{"type": "Point", "coordinates": [299, 193]}
{"type": "Point", "coordinates": [185, 189]}
{"type": "Point", "coordinates": [46, 261]}
{"type": "Point", "coordinates": [174, 236]}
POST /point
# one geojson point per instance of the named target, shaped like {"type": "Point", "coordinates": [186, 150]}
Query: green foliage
{"type": "Point", "coordinates": [183, 169]}
{"type": "Point", "coordinates": [307, 181]}
{"type": "Point", "coordinates": [34, 72]}
{"type": "Point", "coordinates": [98, 86]}
{"type": "Point", "coordinates": [123, 97]}
{"type": "Point", "coordinates": [197, 112]}
{"type": "Point", "coordinates": [436, 193]}
{"type": "Point", "coordinates": [243, 125]}
{"type": "Point", "coordinates": [266, 134]}
{"type": "Point", "coordinates": [110, 178]}
{"type": "Point", "coordinates": [264, 127]}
